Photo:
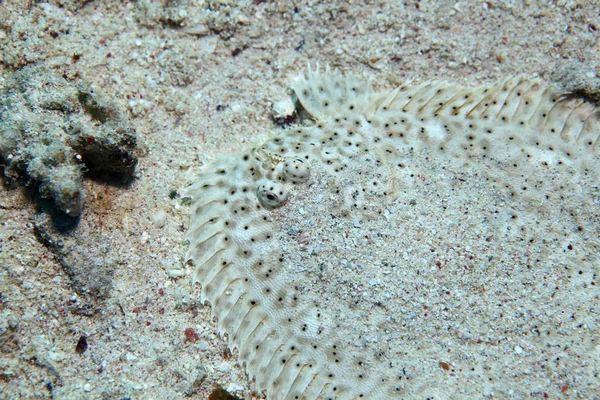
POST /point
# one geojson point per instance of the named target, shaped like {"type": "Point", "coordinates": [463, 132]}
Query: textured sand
{"type": "Point", "coordinates": [191, 97]}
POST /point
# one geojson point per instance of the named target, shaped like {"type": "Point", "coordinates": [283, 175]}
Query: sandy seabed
{"type": "Point", "coordinates": [197, 80]}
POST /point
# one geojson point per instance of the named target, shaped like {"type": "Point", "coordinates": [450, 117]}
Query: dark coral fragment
{"type": "Point", "coordinates": [52, 131]}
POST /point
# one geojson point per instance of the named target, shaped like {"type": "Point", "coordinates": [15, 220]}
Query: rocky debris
{"type": "Point", "coordinates": [52, 132]}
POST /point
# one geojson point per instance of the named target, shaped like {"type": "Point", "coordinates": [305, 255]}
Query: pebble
{"type": "Point", "coordinates": [175, 273]}
{"type": "Point", "coordinates": [56, 356]}
{"type": "Point", "coordinates": [159, 218]}
{"type": "Point", "coordinates": [315, 250]}
{"type": "Point", "coordinates": [518, 349]}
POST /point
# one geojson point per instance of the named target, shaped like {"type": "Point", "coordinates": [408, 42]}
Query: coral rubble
{"type": "Point", "coordinates": [53, 131]}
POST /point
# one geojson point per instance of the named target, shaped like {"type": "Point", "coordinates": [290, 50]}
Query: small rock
{"type": "Point", "coordinates": [198, 30]}
{"type": "Point", "coordinates": [175, 273]}
{"type": "Point", "coordinates": [518, 349]}
{"type": "Point", "coordinates": [159, 218]}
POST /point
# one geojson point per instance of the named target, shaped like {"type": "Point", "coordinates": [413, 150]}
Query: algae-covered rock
{"type": "Point", "coordinates": [52, 131]}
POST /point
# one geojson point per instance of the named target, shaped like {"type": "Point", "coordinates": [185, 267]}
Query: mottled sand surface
{"type": "Point", "coordinates": [197, 79]}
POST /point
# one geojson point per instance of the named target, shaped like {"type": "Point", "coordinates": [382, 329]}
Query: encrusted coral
{"type": "Point", "coordinates": [52, 131]}
{"type": "Point", "coordinates": [311, 246]}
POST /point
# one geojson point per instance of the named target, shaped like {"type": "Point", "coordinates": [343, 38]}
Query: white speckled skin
{"type": "Point", "coordinates": [288, 342]}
